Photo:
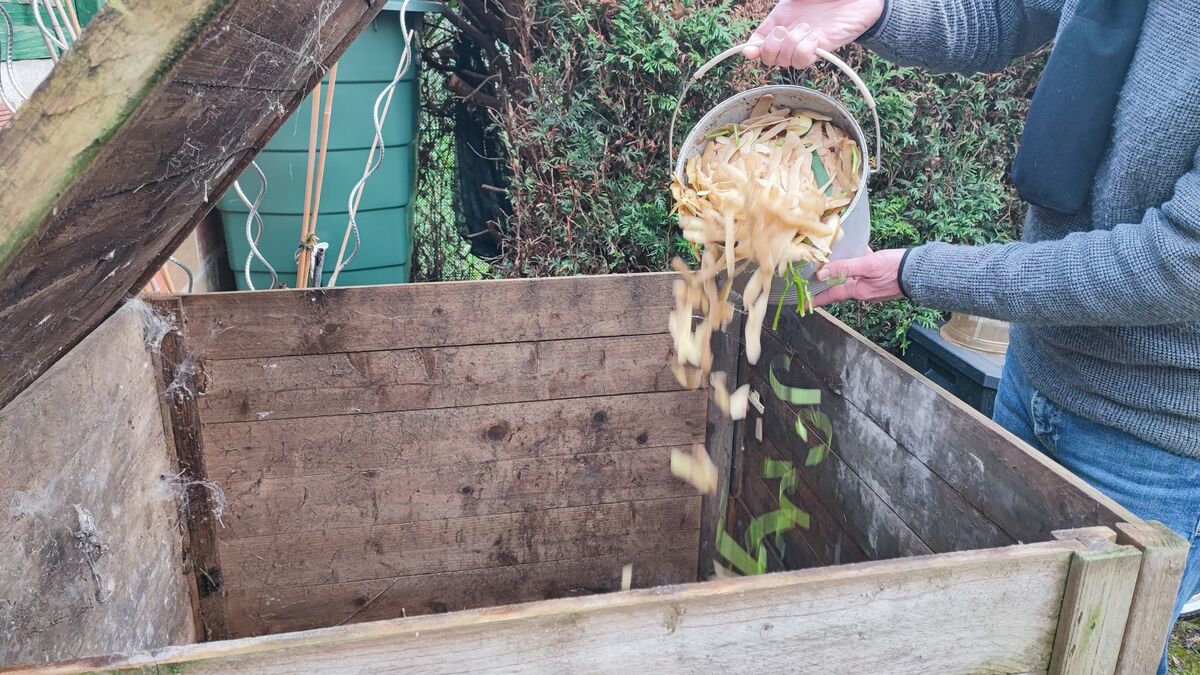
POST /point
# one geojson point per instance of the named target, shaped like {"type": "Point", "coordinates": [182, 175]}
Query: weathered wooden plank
{"type": "Point", "coordinates": [792, 548]}
{"type": "Point", "coordinates": [865, 515]}
{"type": "Point", "coordinates": [738, 517]}
{"type": "Point", "coordinates": [387, 551]}
{"type": "Point", "coordinates": [921, 613]}
{"type": "Point", "coordinates": [722, 434]}
{"type": "Point", "coordinates": [199, 545]}
{"type": "Point", "coordinates": [939, 514]}
{"type": "Point", "coordinates": [1164, 554]}
{"type": "Point", "coordinates": [419, 492]}
{"type": "Point", "coordinates": [1095, 608]}
{"type": "Point", "coordinates": [106, 171]}
{"type": "Point", "coordinates": [89, 542]}
{"type": "Point", "coordinates": [658, 562]}
{"type": "Point", "coordinates": [826, 537]}
{"type": "Point", "coordinates": [438, 377]}
{"type": "Point", "coordinates": [353, 443]}
{"type": "Point", "coordinates": [298, 322]}
{"type": "Point", "coordinates": [1017, 488]}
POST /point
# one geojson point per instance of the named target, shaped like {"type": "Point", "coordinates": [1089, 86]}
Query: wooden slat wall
{"type": "Point", "coordinates": [912, 470]}
{"type": "Point", "coordinates": [89, 435]}
{"type": "Point", "coordinates": [894, 616]}
{"type": "Point", "coordinates": [430, 448]}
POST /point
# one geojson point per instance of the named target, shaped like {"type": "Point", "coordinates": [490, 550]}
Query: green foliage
{"type": "Point", "coordinates": [1184, 649]}
{"type": "Point", "coordinates": [588, 144]}
{"type": "Point", "coordinates": [948, 141]}
{"type": "Point", "coordinates": [590, 166]}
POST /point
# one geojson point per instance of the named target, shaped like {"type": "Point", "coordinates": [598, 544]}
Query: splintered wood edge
{"type": "Point", "coordinates": [871, 573]}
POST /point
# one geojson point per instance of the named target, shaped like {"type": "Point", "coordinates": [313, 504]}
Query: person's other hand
{"type": "Point", "coordinates": [874, 277]}
{"type": "Point", "coordinates": [795, 28]}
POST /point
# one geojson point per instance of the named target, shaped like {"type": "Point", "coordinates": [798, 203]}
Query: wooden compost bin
{"type": "Point", "coordinates": [450, 477]}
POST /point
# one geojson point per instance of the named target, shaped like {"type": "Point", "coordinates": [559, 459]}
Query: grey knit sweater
{"type": "Point", "coordinates": [1105, 304]}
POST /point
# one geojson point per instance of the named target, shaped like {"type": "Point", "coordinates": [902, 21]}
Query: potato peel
{"type": "Point", "coordinates": [765, 193]}
{"type": "Point", "coordinates": [695, 468]}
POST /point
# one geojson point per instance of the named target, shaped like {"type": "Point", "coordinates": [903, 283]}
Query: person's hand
{"type": "Point", "coordinates": [795, 28]}
{"type": "Point", "coordinates": [874, 277]}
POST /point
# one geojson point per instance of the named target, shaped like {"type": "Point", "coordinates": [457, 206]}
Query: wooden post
{"type": "Point", "coordinates": [720, 443]}
{"type": "Point", "coordinates": [184, 383]}
{"type": "Point", "coordinates": [1164, 554]}
{"type": "Point", "coordinates": [1096, 604]}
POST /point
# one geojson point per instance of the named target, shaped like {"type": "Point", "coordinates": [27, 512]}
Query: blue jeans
{"type": "Point", "coordinates": [1151, 482]}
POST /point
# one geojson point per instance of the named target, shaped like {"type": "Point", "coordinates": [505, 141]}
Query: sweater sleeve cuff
{"type": "Point", "coordinates": [879, 22]}
{"type": "Point", "coordinates": [900, 274]}
{"type": "Point", "coordinates": [923, 33]}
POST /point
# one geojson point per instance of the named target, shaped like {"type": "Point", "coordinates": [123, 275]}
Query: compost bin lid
{"type": "Point", "coordinates": [116, 157]}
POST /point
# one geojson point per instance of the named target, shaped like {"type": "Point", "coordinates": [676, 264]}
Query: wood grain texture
{"type": "Point", "coordinates": [421, 492]}
{"type": "Point", "coordinates": [943, 518]}
{"type": "Point", "coordinates": [388, 551]}
{"type": "Point", "coordinates": [298, 322]}
{"type": "Point", "coordinates": [866, 515]}
{"type": "Point", "coordinates": [1020, 490]}
{"type": "Point", "coordinates": [1095, 608]}
{"type": "Point", "coordinates": [180, 383]}
{"type": "Point", "coordinates": [656, 562]}
{"type": "Point", "coordinates": [722, 436]}
{"type": "Point", "coordinates": [438, 377]}
{"type": "Point", "coordinates": [119, 153]}
{"type": "Point", "coordinates": [347, 444]}
{"type": "Point", "coordinates": [88, 435]}
{"type": "Point", "coordinates": [826, 541]}
{"type": "Point", "coordinates": [1164, 555]}
{"type": "Point", "coordinates": [399, 440]}
{"type": "Point", "coordinates": [922, 611]}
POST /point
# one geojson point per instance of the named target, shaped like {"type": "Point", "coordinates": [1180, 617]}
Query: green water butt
{"type": "Point", "coordinates": [385, 211]}
{"type": "Point", "coordinates": [353, 125]}
{"type": "Point", "coordinates": [387, 252]}
{"type": "Point", "coordinates": [392, 184]}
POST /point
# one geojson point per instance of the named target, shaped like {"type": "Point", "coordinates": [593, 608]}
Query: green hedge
{"type": "Point", "coordinates": [586, 141]}
{"type": "Point", "coordinates": [948, 144]}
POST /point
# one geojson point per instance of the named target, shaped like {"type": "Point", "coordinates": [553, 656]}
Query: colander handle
{"type": "Point", "coordinates": [841, 65]}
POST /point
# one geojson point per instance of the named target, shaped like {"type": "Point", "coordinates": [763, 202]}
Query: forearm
{"type": "Point", "coordinates": [962, 35]}
{"type": "Point", "coordinates": [1144, 273]}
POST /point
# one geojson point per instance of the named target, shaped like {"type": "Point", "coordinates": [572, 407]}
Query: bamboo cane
{"type": "Point", "coordinates": [303, 259]}
{"type": "Point", "coordinates": [325, 118]}
{"type": "Point", "coordinates": [74, 16]}
{"type": "Point", "coordinates": [168, 283]}
{"type": "Point", "coordinates": [66, 20]}
{"type": "Point", "coordinates": [54, 23]}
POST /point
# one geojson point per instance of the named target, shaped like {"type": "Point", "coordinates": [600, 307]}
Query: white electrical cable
{"type": "Point", "coordinates": [251, 217]}
{"type": "Point", "coordinates": [58, 29]}
{"type": "Point", "coordinates": [379, 116]}
{"type": "Point", "coordinates": [47, 34]}
{"type": "Point", "coordinates": [9, 46]}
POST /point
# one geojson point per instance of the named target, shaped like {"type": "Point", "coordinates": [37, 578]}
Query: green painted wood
{"type": "Point", "coordinates": [27, 38]}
